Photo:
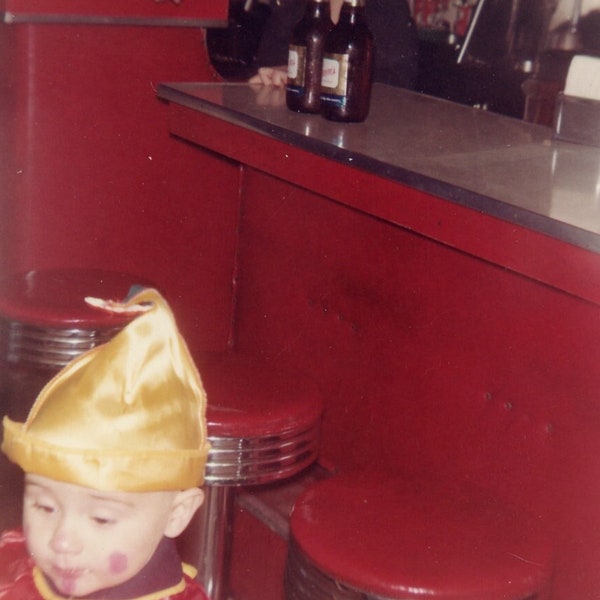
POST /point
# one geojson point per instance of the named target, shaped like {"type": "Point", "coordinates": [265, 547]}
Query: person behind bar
{"type": "Point", "coordinates": [394, 31]}
{"type": "Point", "coordinates": [113, 452]}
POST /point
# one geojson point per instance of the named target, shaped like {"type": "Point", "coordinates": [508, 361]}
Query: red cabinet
{"type": "Point", "coordinates": [146, 12]}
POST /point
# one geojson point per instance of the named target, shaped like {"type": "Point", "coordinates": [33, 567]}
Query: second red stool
{"type": "Point", "coordinates": [374, 536]}
{"type": "Point", "coordinates": [263, 426]}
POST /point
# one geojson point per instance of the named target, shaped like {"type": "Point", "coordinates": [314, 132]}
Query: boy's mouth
{"type": "Point", "coordinates": [65, 580]}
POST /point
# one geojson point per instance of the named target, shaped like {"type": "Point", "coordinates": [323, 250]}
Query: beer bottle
{"type": "Point", "coordinates": [347, 66]}
{"type": "Point", "coordinates": [305, 58]}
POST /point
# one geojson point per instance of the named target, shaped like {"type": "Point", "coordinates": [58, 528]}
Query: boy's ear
{"type": "Point", "coordinates": [184, 506]}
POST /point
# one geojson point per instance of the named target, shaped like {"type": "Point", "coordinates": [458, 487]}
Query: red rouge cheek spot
{"type": "Point", "coordinates": [117, 563]}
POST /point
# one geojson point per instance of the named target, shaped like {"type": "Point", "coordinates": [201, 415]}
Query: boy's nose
{"type": "Point", "coordinates": [65, 538]}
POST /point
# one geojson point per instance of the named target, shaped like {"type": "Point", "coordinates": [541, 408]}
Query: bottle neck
{"type": "Point", "coordinates": [353, 11]}
{"type": "Point", "coordinates": [318, 8]}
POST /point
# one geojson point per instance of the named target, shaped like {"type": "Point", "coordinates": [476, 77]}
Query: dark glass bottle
{"type": "Point", "coordinates": [348, 66]}
{"type": "Point", "coordinates": [305, 58]}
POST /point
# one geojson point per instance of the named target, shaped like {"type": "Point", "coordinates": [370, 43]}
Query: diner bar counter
{"type": "Point", "coordinates": [484, 175]}
{"type": "Point", "coordinates": [436, 270]}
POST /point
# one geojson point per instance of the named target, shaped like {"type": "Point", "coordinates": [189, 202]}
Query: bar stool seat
{"type": "Point", "coordinates": [44, 320]}
{"type": "Point", "coordinates": [373, 536]}
{"type": "Point", "coordinates": [263, 426]}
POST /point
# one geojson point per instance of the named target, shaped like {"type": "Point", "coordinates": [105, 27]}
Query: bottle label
{"type": "Point", "coordinates": [334, 81]}
{"type": "Point", "coordinates": [296, 60]}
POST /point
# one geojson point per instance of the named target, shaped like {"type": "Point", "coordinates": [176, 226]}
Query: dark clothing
{"type": "Point", "coordinates": [162, 572]}
{"type": "Point", "coordinates": [390, 22]}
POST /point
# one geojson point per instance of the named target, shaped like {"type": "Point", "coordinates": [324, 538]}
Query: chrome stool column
{"type": "Point", "coordinates": [379, 537]}
{"type": "Point", "coordinates": [264, 426]}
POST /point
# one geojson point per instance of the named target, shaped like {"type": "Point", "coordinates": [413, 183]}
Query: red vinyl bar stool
{"type": "Point", "coordinates": [45, 323]}
{"type": "Point", "coordinates": [264, 426]}
{"type": "Point", "coordinates": [373, 536]}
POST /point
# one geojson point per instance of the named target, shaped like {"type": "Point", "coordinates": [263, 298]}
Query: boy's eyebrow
{"type": "Point", "coordinates": [103, 498]}
{"type": "Point", "coordinates": [94, 496]}
{"type": "Point", "coordinates": [29, 482]}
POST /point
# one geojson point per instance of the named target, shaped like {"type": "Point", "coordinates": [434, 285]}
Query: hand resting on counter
{"type": "Point", "coordinates": [276, 76]}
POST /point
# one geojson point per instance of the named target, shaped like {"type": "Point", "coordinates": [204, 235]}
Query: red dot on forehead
{"type": "Point", "coordinates": [117, 563]}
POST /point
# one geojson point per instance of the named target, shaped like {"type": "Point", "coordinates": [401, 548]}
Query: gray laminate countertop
{"type": "Point", "coordinates": [491, 163]}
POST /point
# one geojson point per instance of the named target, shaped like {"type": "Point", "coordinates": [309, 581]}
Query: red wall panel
{"type": "Point", "coordinates": [430, 360]}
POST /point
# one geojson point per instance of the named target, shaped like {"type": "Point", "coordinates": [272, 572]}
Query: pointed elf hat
{"type": "Point", "coordinates": [128, 415]}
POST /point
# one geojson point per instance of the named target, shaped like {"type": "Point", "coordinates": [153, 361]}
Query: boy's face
{"type": "Point", "coordinates": [84, 540]}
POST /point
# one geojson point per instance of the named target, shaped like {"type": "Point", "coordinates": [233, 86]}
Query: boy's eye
{"type": "Point", "coordinates": [103, 520]}
{"type": "Point", "coordinates": [46, 508]}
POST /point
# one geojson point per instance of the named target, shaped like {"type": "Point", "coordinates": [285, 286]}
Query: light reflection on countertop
{"type": "Point", "coordinates": [576, 187]}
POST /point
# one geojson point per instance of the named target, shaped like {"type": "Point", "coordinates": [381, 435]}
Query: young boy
{"type": "Point", "coordinates": [113, 452]}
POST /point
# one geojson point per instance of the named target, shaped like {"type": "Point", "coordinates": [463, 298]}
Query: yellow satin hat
{"type": "Point", "coordinates": [126, 416]}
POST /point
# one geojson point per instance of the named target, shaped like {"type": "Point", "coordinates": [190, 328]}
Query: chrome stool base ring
{"type": "Point", "coordinates": [48, 347]}
{"type": "Point", "coordinates": [304, 581]}
{"type": "Point", "coordinates": [256, 460]}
